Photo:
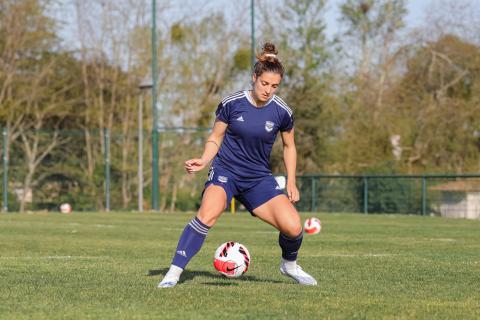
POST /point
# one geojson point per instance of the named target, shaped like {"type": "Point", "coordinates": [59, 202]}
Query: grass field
{"type": "Point", "coordinates": [93, 265]}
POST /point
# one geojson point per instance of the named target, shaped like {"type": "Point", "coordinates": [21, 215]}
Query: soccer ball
{"type": "Point", "coordinates": [65, 208]}
{"type": "Point", "coordinates": [312, 225]}
{"type": "Point", "coordinates": [232, 259]}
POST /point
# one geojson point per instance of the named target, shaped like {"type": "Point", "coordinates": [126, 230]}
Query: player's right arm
{"type": "Point", "coordinates": [212, 146]}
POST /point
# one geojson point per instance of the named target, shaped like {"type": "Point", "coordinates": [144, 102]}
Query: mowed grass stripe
{"type": "Point", "coordinates": [93, 265]}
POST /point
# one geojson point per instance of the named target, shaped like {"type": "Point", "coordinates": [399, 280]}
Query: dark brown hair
{"type": "Point", "coordinates": [267, 61]}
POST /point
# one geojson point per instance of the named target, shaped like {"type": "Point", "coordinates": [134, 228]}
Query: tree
{"type": "Point", "coordinates": [371, 31]}
{"type": "Point", "coordinates": [437, 102]}
{"type": "Point", "coordinates": [299, 32]}
{"type": "Point", "coordinates": [115, 53]}
{"type": "Point", "coordinates": [25, 33]}
{"type": "Point", "coordinates": [32, 84]}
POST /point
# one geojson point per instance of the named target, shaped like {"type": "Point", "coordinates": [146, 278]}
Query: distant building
{"type": "Point", "coordinates": [459, 199]}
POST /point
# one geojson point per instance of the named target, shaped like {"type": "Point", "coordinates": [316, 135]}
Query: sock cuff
{"type": "Point", "coordinates": [175, 269]}
{"type": "Point", "coordinates": [201, 223]}
{"type": "Point", "coordinates": [198, 226]}
{"type": "Point", "coordinates": [291, 264]}
{"type": "Point", "coordinates": [300, 236]}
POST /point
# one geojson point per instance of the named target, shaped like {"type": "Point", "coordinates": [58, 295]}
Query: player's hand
{"type": "Point", "coordinates": [194, 165]}
{"type": "Point", "coordinates": [293, 193]}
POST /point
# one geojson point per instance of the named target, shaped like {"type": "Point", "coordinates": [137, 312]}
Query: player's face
{"type": "Point", "coordinates": [265, 85]}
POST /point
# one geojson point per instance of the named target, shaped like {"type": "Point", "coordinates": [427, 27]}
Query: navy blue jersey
{"type": "Point", "coordinates": [250, 134]}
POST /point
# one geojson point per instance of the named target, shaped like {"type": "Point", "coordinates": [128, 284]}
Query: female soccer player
{"type": "Point", "coordinates": [246, 125]}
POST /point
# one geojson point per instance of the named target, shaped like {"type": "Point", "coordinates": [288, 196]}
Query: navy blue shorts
{"type": "Point", "coordinates": [252, 193]}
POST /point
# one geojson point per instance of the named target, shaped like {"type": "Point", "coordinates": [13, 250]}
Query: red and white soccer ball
{"type": "Point", "coordinates": [232, 259]}
{"type": "Point", "coordinates": [65, 208]}
{"type": "Point", "coordinates": [312, 225]}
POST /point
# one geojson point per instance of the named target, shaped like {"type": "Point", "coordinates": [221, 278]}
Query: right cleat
{"type": "Point", "coordinates": [298, 275]}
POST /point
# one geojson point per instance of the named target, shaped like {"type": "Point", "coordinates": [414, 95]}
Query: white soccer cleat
{"type": "Point", "coordinates": [171, 278]}
{"type": "Point", "coordinates": [298, 275]}
{"type": "Point", "coordinates": [167, 283]}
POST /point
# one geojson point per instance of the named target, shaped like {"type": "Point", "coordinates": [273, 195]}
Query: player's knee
{"type": "Point", "coordinates": [208, 217]}
{"type": "Point", "coordinates": [292, 230]}
{"type": "Point", "coordinates": [209, 212]}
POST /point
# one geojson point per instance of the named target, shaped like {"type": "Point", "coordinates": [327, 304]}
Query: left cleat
{"type": "Point", "coordinates": [171, 278]}
{"type": "Point", "coordinates": [167, 283]}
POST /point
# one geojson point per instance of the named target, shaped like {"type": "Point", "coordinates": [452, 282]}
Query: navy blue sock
{"type": "Point", "coordinates": [190, 242]}
{"type": "Point", "coordinates": [290, 246]}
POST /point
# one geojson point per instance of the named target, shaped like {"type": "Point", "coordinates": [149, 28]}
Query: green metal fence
{"type": "Point", "coordinates": [455, 195]}
{"type": "Point", "coordinates": [99, 170]}
{"type": "Point", "coordinates": [5, 170]}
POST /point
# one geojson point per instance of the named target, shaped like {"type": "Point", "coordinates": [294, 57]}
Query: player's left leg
{"type": "Point", "coordinates": [280, 213]}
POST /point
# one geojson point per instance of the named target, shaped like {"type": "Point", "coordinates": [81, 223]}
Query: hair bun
{"type": "Point", "coordinates": [269, 53]}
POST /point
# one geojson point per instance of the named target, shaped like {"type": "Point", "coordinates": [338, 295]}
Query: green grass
{"type": "Point", "coordinates": [93, 265]}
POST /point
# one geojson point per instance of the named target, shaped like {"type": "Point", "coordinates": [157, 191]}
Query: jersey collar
{"type": "Point", "coordinates": [249, 98]}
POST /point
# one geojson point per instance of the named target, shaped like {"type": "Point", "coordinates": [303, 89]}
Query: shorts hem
{"type": "Point", "coordinates": [219, 184]}
{"type": "Point", "coordinates": [258, 205]}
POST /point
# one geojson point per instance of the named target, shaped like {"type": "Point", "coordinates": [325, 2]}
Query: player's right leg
{"type": "Point", "coordinates": [214, 202]}
{"type": "Point", "coordinates": [281, 214]}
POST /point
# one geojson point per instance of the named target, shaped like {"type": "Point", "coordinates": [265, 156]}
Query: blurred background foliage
{"type": "Point", "coordinates": [375, 94]}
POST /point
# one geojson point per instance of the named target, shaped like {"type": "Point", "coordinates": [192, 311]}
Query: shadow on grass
{"type": "Point", "coordinates": [219, 284]}
{"type": "Point", "coordinates": [190, 275]}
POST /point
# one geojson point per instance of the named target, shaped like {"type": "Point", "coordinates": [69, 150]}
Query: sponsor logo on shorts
{"type": "Point", "coordinates": [269, 125]}
{"type": "Point", "coordinates": [278, 188]}
{"type": "Point", "coordinates": [210, 174]}
{"type": "Point", "coordinates": [222, 179]}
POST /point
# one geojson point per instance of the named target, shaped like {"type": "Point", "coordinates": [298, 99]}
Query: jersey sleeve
{"type": "Point", "coordinates": [223, 113]}
{"type": "Point", "coordinates": [287, 122]}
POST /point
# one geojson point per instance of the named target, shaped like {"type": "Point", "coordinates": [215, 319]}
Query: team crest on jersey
{"type": "Point", "coordinates": [269, 126]}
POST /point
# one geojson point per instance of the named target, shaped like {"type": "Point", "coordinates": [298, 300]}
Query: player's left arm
{"type": "Point", "coordinates": [290, 160]}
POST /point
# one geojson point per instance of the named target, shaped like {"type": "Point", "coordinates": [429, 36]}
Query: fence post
{"type": "Point", "coordinates": [140, 152]}
{"type": "Point", "coordinates": [5, 170]}
{"type": "Point", "coordinates": [107, 168]}
{"type": "Point", "coordinates": [314, 194]}
{"type": "Point", "coordinates": [424, 195]}
{"type": "Point", "coordinates": [155, 156]}
{"type": "Point", "coordinates": [365, 195]}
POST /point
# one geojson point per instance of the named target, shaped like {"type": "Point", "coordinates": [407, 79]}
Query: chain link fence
{"type": "Point", "coordinates": [100, 170]}
{"type": "Point", "coordinates": [433, 195]}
